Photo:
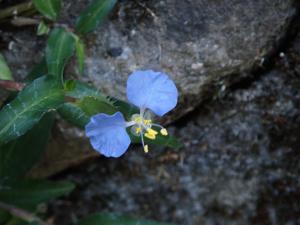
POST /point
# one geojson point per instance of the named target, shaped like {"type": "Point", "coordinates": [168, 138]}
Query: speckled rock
{"type": "Point", "coordinates": [202, 44]}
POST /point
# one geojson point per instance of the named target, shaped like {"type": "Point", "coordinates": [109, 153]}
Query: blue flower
{"type": "Point", "coordinates": [148, 90]}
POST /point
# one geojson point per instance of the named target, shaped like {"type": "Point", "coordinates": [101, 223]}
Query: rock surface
{"type": "Point", "coordinates": [202, 44]}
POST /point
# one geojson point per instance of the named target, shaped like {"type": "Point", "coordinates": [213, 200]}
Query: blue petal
{"type": "Point", "coordinates": [108, 134]}
{"type": "Point", "coordinates": [152, 90]}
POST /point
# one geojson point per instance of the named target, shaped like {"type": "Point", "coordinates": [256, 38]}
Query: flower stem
{"type": "Point", "coordinates": [11, 85]}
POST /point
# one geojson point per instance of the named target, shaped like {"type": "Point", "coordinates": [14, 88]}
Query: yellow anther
{"type": "Point", "coordinates": [138, 130]}
{"type": "Point", "coordinates": [164, 131]}
{"type": "Point", "coordinates": [146, 149]}
{"type": "Point", "coordinates": [152, 132]}
{"type": "Point", "coordinates": [147, 122]}
{"type": "Point", "coordinates": [150, 136]}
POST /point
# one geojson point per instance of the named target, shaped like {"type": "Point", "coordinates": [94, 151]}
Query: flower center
{"type": "Point", "coordinates": [141, 125]}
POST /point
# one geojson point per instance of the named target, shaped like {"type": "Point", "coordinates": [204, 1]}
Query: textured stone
{"type": "Point", "coordinates": [202, 44]}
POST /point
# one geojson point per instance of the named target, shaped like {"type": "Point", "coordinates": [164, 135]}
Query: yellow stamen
{"type": "Point", "coordinates": [152, 132]}
{"type": "Point", "coordinates": [147, 122]}
{"type": "Point", "coordinates": [138, 130]}
{"type": "Point", "coordinates": [150, 136]}
{"type": "Point", "coordinates": [164, 132]}
{"type": "Point", "coordinates": [146, 149]}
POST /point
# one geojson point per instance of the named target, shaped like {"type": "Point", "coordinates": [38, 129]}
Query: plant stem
{"type": "Point", "coordinates": [16, 10]}
{"type": "Point", "coordinates": [11, 85]}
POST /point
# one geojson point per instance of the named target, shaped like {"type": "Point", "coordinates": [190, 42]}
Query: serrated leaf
{"type": "Point", "coordinates": [5, 73]}
{"type": "Point", "coordinates": [80, 54]}
{"type": "Point", "coordinates": [42, 28]}
{"type": "Point", "coordinates": [115, 219]}
{"type": "Point", "coordinates": [18, 156]}
{"type": "Point", "coordinates": [49, 8]}
{"type": "Point", "coordinates": [60, 48]}
{"type": "Point", "coordinates": [18, 116]}
{"type": "Point", "coordinates": [94, 15]}
{"type": "Point", "coordinates": [29, 193]}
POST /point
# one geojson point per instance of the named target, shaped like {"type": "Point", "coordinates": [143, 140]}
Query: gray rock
{"type": "Point", "coordinates": [201, 44]}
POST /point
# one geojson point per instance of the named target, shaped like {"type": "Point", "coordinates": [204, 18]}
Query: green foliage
{"type": "Point", "coordinates": [60, 48]}
{"type": "Point", "coordinates": [28, 193]}
{"type": "Point", "coordinates": [28, 107]}
{"type": "Point", "coordinates": [18, 156]}
{"type": "Point", "coordinates": [49, 8]}
{"type": "Point", "coordinates": [42, 28]}
{"type": "Point", "coordinates": [114, 219]}
{"type": "Point", "coordinates": [79, 112]}
{"type": "Point", "coordinates": [125, 108]}
{"type": "Point", "coordinates": [17, 221]}
{"type": "Point", "coordinates": [93, 105]}
{"type": "Point", "coordinates": [38, 70]}
{"type": "Point", "coordinates": [79, 45]}
{"type": "Point", "coordinates": [74, 115]}
{"type": "Point", "coordinates": [94, 15]}
{"type": "Point", "coordinates": [5, 73]}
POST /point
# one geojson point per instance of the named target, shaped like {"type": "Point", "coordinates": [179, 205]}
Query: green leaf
{"type": "Point", "coordinates": [79, 45]}
{"type": "Point", "coordinates": [4, 216]}
{"type": "Point", "coordinates": [16, 221]}
{"type": "Point", "coordinates": [49, 8]}
{"type": "Point", "coordinates": [93, 105]}
{"type": "Point", "coordinates": [94, 15]}
{"type": "Point", "coordinates": [38, 71]}
{"type": "Point", "coordinates": [42, 95]}
{"type": "Point", "coordinates": [77, 89]}
{"type": "Point", "coordinates": [5, 73]}
{"type": "Point", "coordinates": [78, 113]}
{"type": "Point", "coordinates": [29, 193]}
{"type": "Point", "coordinates": [115, 219]}
{"type": "Point", "coordinates": [73, 114]}
{"type": "Point", "coordinates": [125, 108]}
{"type": "Point", "coordinates": [18, 156]}
{"type": "Point", "coordinates": [42, 28]}
{"type": "Point", "coordinates": [60, 48]}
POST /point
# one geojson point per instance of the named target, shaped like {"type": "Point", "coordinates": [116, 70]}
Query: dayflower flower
{"type": "Point", "coordinates": [148, 90]}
